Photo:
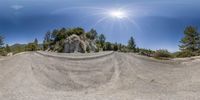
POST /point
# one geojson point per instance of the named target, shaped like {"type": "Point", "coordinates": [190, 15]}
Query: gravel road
{"type": "Point", "coordinates": [114, 76]}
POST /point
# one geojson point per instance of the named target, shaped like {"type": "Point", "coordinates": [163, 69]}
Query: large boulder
{"type": "Point", "coordinates": [10, 54]}
{"type": "Point", "coordinates": [75, 43]}
{"type": "Point", "coordinates": [91, 45]}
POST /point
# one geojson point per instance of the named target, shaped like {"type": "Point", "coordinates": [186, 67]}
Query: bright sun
{"type": "Point", "coordinates": [118, 14]}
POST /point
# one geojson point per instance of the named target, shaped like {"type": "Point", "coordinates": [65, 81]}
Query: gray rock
{"type": "Point", "coordinates": [74, 44]}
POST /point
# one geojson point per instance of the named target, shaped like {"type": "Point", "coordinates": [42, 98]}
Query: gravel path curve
{"type": "Point", "coordinates": [113, 76]}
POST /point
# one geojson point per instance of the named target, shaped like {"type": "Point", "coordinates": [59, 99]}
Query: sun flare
{"type": "Point", "coordinates": [118, 14]}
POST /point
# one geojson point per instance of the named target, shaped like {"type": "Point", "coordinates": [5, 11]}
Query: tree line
{"type": "Point", "coordinates": [54, 40]}
{"type": "Point", "coordinates": [17, 48]}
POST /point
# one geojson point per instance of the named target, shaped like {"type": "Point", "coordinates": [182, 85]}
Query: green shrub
{"type": "Point", "coordinates": [3, 52]}
{"type": "Point", "coordinates": [198, 52]}
{"type": "Point", "coordinates": [31, 47]}
{"type": "Point", "coordinates": [87, 49]}
{"type": "Point", "coordinates": [186, 54]}
{"type": "Point", "coordinates": [107, 46]}
{"type": "Point", "coordinates": [146, 52]}
{"type": "Point", "coordinates": [97, 49]}
{"type": "Point", "coordinates": [115, 47]}
{"type": "Point", "coordinates": [162, 54]}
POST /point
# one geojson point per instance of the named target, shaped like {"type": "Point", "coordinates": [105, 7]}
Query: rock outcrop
{"type": "Point", "coordinates": [75, 43]}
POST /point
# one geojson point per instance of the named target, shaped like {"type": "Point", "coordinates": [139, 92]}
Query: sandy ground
{"type": "Point", "coordinates": [106, 76]}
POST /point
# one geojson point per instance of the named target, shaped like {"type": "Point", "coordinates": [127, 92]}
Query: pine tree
{"type": "Point", "coordinates": [102, 40]}
{"type": "Point", "coordinates": [36, 43]}
{"type": "Point", "coordinates": [47, 39]}
{"type": "Point", "coordinates": [92, 34]}
{"type": "Point", "coordinates": [115, 47]}
{"type": "Point", "coordinates": [1, 41]}
{"type": "Point", "coordinates": [131, 44]}
{"type": "Point", "coordinates": [198, 42]}
{"type": "Point", "coordinates": [191, 40]}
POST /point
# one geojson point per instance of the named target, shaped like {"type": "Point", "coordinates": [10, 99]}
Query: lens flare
{"type": "Point", "coordinates": [118, 14]}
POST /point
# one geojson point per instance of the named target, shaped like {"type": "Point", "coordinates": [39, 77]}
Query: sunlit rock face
{"type": "Point", "coordinates": [74, 44]}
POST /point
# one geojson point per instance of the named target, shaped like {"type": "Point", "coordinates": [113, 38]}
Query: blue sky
{"type": "Point", "coordinates": [155, 24]}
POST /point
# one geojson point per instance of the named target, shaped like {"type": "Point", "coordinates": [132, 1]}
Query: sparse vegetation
{"type": "Point", "coordinates": [190, 43]}
{"type": "Point", "coordinates": [107, 46]}
{"type": "Point", "coordinates": [8, 48]}
{"type": "Point", "coordinates": [17, 48]}
{"type": "Point", "coordinates": [31, 47]}
{"type": "Point", "coordinates": [162, 54]}
{"type": "Point", "coordinates": [146, 52]}
{"type": "Point", "coordinates": [3, 51]}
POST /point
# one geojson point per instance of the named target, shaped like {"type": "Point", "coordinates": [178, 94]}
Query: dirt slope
{"type": "Point", "coordinates": [113, 76]}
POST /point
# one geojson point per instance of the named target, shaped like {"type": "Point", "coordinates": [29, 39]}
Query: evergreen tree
{"type": "Point", "coordinates": [198, 41]}
{"type": "Point", "coordinates": [1, 41]}
{"type": "Point", "coordinates": [77, 31]}
{"type": "Point", "coordinates": [47, 39]}
{"type": "Point", "coordinates": [115, 47]}
{"type": "Point", "coordinates": [47, 36]}
{"type": "Point", "coordinates": [36, 41]}
{"type": "Point", "coordinates": [191, 40]}
{"type": "Point", "coordinates": [93, 34]}
{"type": "Point", "coordinates": [102, 40]}
{"type": "Point", "coordinates": [131, 44]}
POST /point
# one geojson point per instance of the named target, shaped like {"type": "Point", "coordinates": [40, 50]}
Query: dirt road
{"type": "Point", "coordinates": [113, 76]}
